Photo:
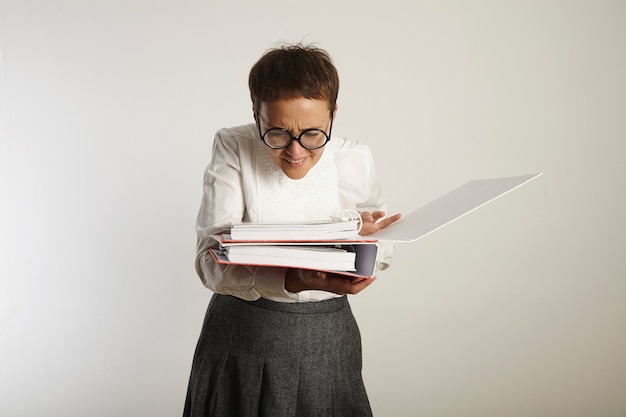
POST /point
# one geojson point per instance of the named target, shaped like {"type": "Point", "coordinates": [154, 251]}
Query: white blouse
{"type": "Point", "coordinates": [242, 183]}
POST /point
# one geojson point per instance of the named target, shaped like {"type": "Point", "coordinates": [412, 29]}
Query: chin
{"type": "Point", "coordinates": [295, 174]}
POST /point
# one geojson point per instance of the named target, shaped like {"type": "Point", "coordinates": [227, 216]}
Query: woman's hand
{"type": "Point", "coordinates": [297, 280]}
{"type": "Point", "coordinates": [372, 222]}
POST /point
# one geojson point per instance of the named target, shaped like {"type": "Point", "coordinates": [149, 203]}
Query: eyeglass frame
{"type": "Point", "coordinates": [296, 138]}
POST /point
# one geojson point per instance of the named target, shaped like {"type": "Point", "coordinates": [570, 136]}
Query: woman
{"type": "Point", "coordinates": [276, 341]}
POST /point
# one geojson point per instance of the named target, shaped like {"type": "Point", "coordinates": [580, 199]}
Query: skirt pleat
{"type": "Point", "coordinates": [264, 358]}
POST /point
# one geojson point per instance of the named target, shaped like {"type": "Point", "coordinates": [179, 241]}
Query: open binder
{"type": "Point", "coordinates": [411, 227]}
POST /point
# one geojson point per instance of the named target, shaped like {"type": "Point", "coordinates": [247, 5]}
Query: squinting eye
{"type": "Point", "coordinates": [276, 135]}
{"type": "Point", "coordinates": [313, 134]}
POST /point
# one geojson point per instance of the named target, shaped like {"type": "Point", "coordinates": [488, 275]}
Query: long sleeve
{"type": "Point", "coordinates": [223, 203]}
{"type": "Point", "coordinates": [360, 188]}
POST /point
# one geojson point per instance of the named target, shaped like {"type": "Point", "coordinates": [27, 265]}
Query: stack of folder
{"type": "Point", "coordinates": [336, 246]}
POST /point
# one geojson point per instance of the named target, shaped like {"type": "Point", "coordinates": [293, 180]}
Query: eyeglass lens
{"type": "Point", "coordinates": [280, 138]}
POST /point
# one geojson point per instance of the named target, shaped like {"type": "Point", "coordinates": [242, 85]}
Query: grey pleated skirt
{"type": "Point", "coordinates": [265, 358]}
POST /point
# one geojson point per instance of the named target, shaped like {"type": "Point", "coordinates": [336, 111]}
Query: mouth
{"type": "Point", "coordinates": [294, 162]}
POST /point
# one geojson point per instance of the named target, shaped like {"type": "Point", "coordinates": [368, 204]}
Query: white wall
{"type": "Point", "coordinates": [108, 110]}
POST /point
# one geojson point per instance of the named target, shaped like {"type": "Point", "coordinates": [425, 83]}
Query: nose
{"type": "Point", "coordinates": [295, 149]}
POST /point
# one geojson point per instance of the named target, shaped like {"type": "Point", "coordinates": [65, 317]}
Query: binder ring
{"type": "Point", "coordinates": [348, 215]}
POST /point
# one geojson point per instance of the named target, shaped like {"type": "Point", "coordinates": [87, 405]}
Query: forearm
{"type": "Point", "coordinates": [246, 282]}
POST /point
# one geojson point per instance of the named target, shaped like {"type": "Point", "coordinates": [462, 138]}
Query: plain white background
{"type": "Point", "coordinates": [108, 110]}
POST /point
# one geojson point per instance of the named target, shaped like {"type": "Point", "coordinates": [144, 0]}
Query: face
{"type": "Point", "coordinates": [295, 115]}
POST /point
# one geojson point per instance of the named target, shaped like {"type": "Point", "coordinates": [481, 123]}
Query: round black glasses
{"type": "Point", "coordinates": [280, 138]}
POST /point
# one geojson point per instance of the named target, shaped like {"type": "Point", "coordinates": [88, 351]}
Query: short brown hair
{"type": "Point", "coordinates": [294, 71]}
